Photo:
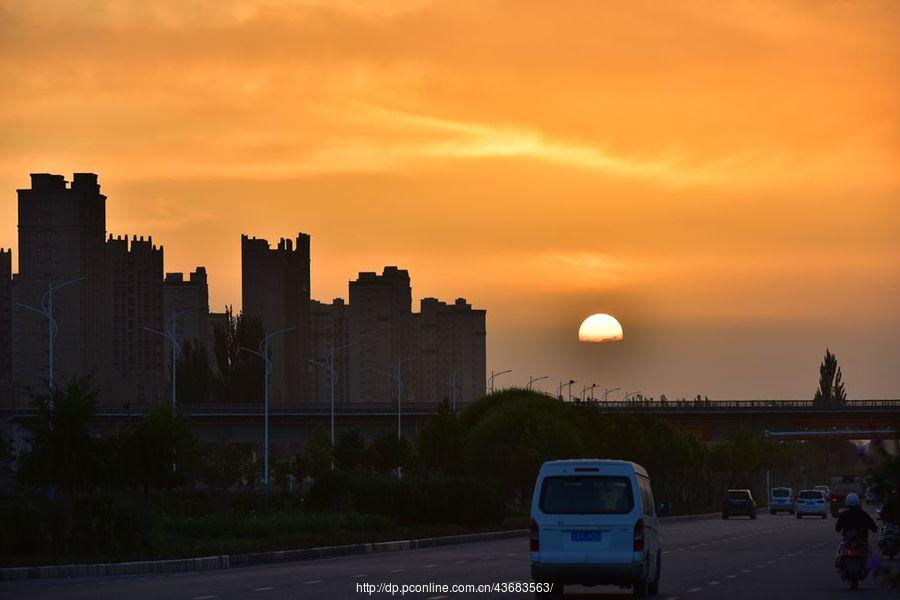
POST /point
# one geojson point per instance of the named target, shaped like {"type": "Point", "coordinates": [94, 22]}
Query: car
{"type": "Point", "coordinates": [738, 502]}
{"type": "Point", "coordinates": [812, 502]}
{"type": "Point", "coordinates": [594, 522]}
{"type": "Point", "coordinates": [824, 489]}
{"type": "Point", "coordinates": [781, 499]}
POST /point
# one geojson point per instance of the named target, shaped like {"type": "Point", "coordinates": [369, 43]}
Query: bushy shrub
{"type": "Point", "coordinates": [438, 501]}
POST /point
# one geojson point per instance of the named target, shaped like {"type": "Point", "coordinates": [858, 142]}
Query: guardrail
{"type": "Point", "coordinates": [373, 408]}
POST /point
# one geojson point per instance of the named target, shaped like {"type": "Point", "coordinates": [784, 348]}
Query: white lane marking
{"type": "Point", "coordinates": [458, 562]}
{"type": "Point", "coordinates": [314, 581]}
{"type": "Point", "coordinates": [745, 570]}
{"type": "Point", "coordinates": [671, 598]}
{"type": "Point", "coordinates": [395, 571]}
{"type": "Point", "coordinates": [358, 576]}
{"type": "Point", "coordinates": [205, 597]}
{"type": "Point", "coordinates": [436, 597]}
{"type": "Point", "coordinates": [694, 590]}
{"type": "Point", "coordinates": [263, 589]}
{"type": "Point", "coordinates": [667, 552]}
{"type": "Point", "coordinates": [428, 566]}
{"type": "Point", "coordinates": [714, 583]}
{"type": "Point", "coordinates": [730, 576]}
{"type": "Point", "coordinates": [512, 554]}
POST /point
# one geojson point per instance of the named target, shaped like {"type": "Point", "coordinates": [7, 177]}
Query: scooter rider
{"type": "Point", "coordinates": [854, 522]}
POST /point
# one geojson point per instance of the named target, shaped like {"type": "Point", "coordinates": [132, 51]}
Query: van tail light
{"type": "Point", "coordinates": [535, 537]}
{"type": "Point", "coordinates": [639, 536]}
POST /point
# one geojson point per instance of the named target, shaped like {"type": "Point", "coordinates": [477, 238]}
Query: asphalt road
{"type": "Point", "coordinates": [771, 557]}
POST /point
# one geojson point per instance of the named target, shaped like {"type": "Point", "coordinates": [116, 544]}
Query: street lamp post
{"type": "Point", "coordinates": [629, 394]}
{"type": "Point", "coordinates": [571, 381]}
{"type": "Point", "coordinates": [452, 384]}
{"type": "Point", "coordinates": [586, 388]}
{"type": "Point", "coordinates": [533, 380]}
{"type": "Point", "coordinates": [171, 334]}
{"type": "Point", "coordinates": [397, 376]}
{"type": "Point", "coordinates": [328, 365]}
{"type": "Point", "coordinates": [264, 354]}
{"type": "Point", "coordinates": [494, 375]}
{"type": "Point", "coordinates": [46, 311]}
{"type": "Point", "coordinates": [607, 391]}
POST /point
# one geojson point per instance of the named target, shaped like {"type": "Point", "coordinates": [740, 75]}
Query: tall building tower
{"type": "Point", "coordinates": [451, 339]}
{"type": "Point", "coordinates": [62, 232]}
{"type": "Point", "coordinates": [329, 330]}
{"type": "Point", "coordinates": [136, 373]}
{"type": "Point", "coordinates": [6, 327]}
{"type": "Point", "coordinates": [275, 288]}
{"type": "Point", "coordinates": [380, 317]}
{"type": "Point", "coordinates": [191, 295]}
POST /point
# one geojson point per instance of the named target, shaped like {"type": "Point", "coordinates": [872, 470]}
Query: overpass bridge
{"type": "Point", "coordinates": [711, 420]}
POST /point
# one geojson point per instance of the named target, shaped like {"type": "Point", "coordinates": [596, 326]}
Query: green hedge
{"type": "Point", "coordinates": [439, 501]}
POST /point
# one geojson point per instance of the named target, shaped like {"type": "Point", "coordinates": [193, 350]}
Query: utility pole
{"type": "Point", "coordinates": [607, 391]}
{"type": "Point", "coordinates": [494, 375]}
{"type": "Point", "coordinates": [328, 365]}
{"type": "Point", "coordinates": [46, 311]}
{"type": "Point", "coordinates": [452, 384]}
{"type": "Point", "coordinates": [171, 334]}
{"type": "Point", "coordinates": [397, 376]}
{"type": "Point", "coordinates": [533, 380]}
{"type": "Point", "coordinates": [264, 354]}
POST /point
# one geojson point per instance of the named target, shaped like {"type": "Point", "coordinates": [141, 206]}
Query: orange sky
{"type": "Point", "coordinates": [722, 177]}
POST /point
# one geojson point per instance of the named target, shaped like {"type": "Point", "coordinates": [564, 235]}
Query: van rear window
{"type": "Point", "coordinates": [586, 495]}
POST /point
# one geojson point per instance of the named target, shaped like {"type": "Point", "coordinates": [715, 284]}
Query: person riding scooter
{"type": "Point", "coordinates": [855, 523]}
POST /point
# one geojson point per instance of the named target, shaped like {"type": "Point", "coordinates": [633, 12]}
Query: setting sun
{"type": "Point", "coordinates": [600, 328]}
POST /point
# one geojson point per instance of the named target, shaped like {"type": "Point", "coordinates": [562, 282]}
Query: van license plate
{"type": "Point", "coordinates": [585, 536]}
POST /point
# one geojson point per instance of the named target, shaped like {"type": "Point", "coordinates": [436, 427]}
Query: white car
{"type": "Point", "coordinates": [594, 522]}
{"type": "Point", "coordinates": [781, 499]}
{"type": "Point", "coordinates": [812, 502]}
{"type": "Point", "coordinates": [824, 489]}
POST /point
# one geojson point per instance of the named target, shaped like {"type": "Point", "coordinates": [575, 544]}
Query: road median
{"type": "Point", "coordinates": [229, 561]}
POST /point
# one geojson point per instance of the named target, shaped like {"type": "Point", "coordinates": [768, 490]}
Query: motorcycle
{"type": "Point", "coordinates": [851, 562]}
{"type": "Point", "coordinates": [888, 542]}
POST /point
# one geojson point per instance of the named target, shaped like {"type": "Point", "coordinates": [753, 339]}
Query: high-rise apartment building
{"type": "Point", "coordinates": [62, 232]}
{"type": "Point", "coordinates": [380, 320]}
{"type": "Point", "coordinates": [450, 339]}
{"type": "Point", "coordinates": [190, 301]}
{"type": "Point", "coordinates": [136, 373]}
{"type": "Point", "coordinates": [6, 326]}
{"type": "Point", "coordinates": [275, 288]}
{"type": "Point", "coordinates": [329, 330]}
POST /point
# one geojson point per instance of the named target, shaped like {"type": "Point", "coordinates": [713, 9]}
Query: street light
{"type": "Point", "coordinates": [398, 378]}
{"type": "Point", "coordinates": [452, 384]}
{"type": "Point", "coordinates": [533, 380]}
{"type": "Point", "coordinates": [172, 335]}
{"type": "Point", "coordinates": [571, 381]}
{"type": "Point", "coordinates": [46, 311]}
{"type": "Point", "coordinates": [586, 388]}
{"type": "Point", "coordinates": [607, 391]}
{"type": "Point", "coordinates": [634, 393]}
{"type": "Point", "coordinates": [493, 375]}
{"type": "Point", "coordinates": [329, 366]}
{"type": "Point", "coordinates": [264, 354]}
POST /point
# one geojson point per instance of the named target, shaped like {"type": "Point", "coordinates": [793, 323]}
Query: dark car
{"type": "Point", "coordinates": [738, 502]}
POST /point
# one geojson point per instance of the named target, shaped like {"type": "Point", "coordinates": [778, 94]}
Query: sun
{"type": "Point", "coordinates": [600, 328]}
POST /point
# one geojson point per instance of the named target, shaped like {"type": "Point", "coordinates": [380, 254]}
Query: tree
{"type": "Point", "coordinates": [62, 452]}
{"type": "Point", "coordinates": [195, 376]}
{"type": "Point", "coordinates": [831, 387]}
{"type": "Point", "coordinates": [350, 450]}
{"type": "Point", "coordinates": [386, 452]}
{"type": "Point", "coordinates": [163, 450]}
{"type": "Point", "coordinates": [440, 442]}
{"type": "Point", "coordinates": [317, 455]}
{"type": "Point", "coordinates": [224, 466]}
{"type": "Point", "coordinates": [241, 374]}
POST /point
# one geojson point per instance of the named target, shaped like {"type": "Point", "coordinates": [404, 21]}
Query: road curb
{"type": "Point", "coordinates": [228, 561]}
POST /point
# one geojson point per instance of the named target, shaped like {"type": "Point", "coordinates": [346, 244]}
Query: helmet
{"type": "Point", "coordinates": [851, 499]}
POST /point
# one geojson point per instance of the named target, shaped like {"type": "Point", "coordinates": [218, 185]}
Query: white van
{"type": "Point", "coordinates": [594, 522]}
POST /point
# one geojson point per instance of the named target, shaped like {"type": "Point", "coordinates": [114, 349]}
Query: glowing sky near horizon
{"type": "Point", "coordinates": [724, 177]}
